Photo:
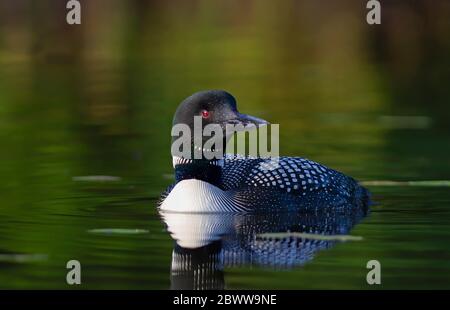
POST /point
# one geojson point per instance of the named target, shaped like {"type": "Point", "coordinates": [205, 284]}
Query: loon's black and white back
{"type": "Point", "coordinates": [244, 184]}
{"type": "Point", "coordinates": [300, 179]}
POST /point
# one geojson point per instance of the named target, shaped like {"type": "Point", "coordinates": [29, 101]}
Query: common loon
{"type": "Point", "coordinates": [237, 183]}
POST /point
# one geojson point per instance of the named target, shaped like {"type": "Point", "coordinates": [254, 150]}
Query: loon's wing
{"type": "Point", "coordinates": [295, 175]}
{"type": "Point", "coordinates": [236, 169]}
{"type": "Point", "coordinates": [291, 174]}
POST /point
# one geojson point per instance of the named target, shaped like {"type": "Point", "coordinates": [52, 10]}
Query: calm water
{"type": "Point", "coordinates": [85, 119]}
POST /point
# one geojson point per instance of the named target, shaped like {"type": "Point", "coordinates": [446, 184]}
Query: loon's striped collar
{"type": "Point", "coordinates": [183, 161]}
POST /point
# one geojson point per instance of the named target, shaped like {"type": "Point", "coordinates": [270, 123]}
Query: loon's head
{"type": "Point", "coordinates": [209, 107]}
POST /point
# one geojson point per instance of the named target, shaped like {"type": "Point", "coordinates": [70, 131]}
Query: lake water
{"type": "Point", "coordinates": [85, 118]}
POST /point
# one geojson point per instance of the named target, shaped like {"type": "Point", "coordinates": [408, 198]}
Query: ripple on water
{"type": "Point", "coordinates": [96, 178]}
{"type": "Point", "coordinates": [432, 183]}
{"type": "Point", "coordinates": [22, 258]}
{"type": "Point", "coordinates": [341, 238]}
{"type": "Point", "coordinates": [117, 231]}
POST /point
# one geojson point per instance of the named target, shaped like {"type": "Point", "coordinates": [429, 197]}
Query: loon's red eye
{"type": "Point", "coordinates": [205, 114]}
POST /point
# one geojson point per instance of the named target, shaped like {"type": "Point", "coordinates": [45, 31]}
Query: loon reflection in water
{"type": "Point", "coordinates": [207, 243]}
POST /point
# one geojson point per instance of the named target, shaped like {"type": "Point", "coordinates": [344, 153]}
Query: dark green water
{"type": "Point", "coordinates": [98, 101]}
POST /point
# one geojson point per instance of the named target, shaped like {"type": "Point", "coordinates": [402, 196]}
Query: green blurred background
{"type": "Point", "coordinates": [98, 98]}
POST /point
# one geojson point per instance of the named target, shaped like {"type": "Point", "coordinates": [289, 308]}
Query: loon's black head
{"type": "Point", "coordinates": [214, 106]}
{"type": "Point", "coordinates": [211, 107]}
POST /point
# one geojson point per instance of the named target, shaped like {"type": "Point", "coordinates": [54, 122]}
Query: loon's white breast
{"type": "Point", "coordinates": [196, 196]}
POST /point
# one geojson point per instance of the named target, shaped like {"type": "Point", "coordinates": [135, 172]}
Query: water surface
{"type": "Point", "coordinates": [85, 118]}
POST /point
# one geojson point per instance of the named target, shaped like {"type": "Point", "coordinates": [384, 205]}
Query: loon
{"type": "Point", "coordinates": [237, 183]}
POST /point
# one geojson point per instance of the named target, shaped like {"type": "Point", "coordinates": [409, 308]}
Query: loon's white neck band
{"type": "Point", "coordinates": [183, 161]}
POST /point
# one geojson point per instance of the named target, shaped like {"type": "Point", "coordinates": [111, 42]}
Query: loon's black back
{"type": "Point", "coordinates": [292, 180]}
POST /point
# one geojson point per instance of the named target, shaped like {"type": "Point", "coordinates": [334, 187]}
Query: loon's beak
{"type": "Point", "coordinates": [249, 122]}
